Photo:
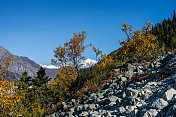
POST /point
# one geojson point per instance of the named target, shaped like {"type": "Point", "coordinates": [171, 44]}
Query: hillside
{"type": "Point", "coordinates": [22, 64]}
{"type": "Point", "coordinates": [140, 91]}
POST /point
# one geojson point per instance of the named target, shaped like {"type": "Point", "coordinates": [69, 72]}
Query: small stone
{"type": "Point", "coordinates": [92, 106]}
{"type": "Point", "coordinates": [152, 83]}
{"type": "Point", "coordinates": [133, 113]}
{"type": "Point", "coordinates": [70, 112]}
{"type": "Point", "coordinates": [85, 107]}
{"type": "Point", "coordinates": [73, 102]}
{"type": "Point", "coordinates": [79, 108]}
{"type": "Point", "coordinates": [129, 74]}
{"type": "Point", "coordinates": [132, 92]}
{"type": "Point", "coordinates": [114, 98]}
{"type": "Point", "coordinates": [64, 105]}
{"type": "Point", "coordinates": [112, 104]}
{"type": "Point", "coordinates": [100, 95]}
{"type": "Point", "coordinates": [123, 95]}
{"type": "Point", "coordinates": [140, 67]}
{"type": "Point", "coordinates": [159, 104]}
{"type": "Point", "coordinates": [114, 84]}
{"type": "Point", "coordinates": [122, 109]}
{"type": "Point", "coordinates": [84, 114]}
{"type": "Point", "coordinates": [123, 79]}
{"type": "Point", "coordinates": [131, 108]}
{"type": "Point", "coordinates": [149, 113]}
{"type": "Point", "coordinates": [93, 96]}
{"type": "Point", "coordinates": [151, 65]}
{"type": "Point", "coordinates": [107, 114]}
{"type": "Point", "coordinates": [52, 115]}
{"type": "Point", "coordinates": [174, 77]}
{"type": "Point", "coordinates": [168, 95]}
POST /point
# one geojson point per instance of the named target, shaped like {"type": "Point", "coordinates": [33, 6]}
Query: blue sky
{"type": "Point", "coordinates": [34, 28]}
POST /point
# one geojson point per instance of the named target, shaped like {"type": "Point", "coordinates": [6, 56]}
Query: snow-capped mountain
{"type": "Point", "coordinates": [87, 63]}
{"type": "Point", "coordinates": [84, 64]}
{"type": "Point", "coordinates": [49, 66]}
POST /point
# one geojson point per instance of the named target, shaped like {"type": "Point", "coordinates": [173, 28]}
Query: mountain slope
{"type": "Point", "coordinates": [141, 90]}
{"type": "Point", "coordinates": [22, 64]}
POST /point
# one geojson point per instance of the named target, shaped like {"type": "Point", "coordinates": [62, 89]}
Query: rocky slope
{"type": "Point", "coordinates": [145, 90]}
{"type": "Point", "coordinates": [22, 64]}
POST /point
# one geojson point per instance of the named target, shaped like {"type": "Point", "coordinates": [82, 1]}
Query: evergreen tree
{"type": "Point", "coordinates": [166, 33]}
{"type": "Point", "coordinates": [41, 91]}
{"type": "Point", "coordinates": [24, 81]}
{"type": "Point", "coordinates": [41, 80]}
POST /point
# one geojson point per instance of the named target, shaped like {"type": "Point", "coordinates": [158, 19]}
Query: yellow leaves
{"type": "Point", "coordinates": [105, 62]}
{"type": "Point", "coordinates": [139, 43]}
{"type": "Point", "coordinates": [71, 52]}
{"type": "Point", "coordinates": [124, 27]}
{"type": "Point", "coordinates": [8, 97]}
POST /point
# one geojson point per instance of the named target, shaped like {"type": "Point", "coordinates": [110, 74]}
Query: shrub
{"type": "Point", "coordinates": [139, 43]}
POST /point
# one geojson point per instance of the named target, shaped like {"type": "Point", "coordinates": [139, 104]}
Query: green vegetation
{"type": "Point", "coordinates": [166, 33]}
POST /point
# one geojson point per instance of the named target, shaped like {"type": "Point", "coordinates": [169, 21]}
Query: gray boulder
{"type": "Point", "coordinates": [159, 104]}
{"type": "Point", "coordinates": [168, 95]}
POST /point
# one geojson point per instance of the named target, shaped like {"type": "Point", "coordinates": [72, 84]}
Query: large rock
{"type": "Point", "coordinates": [159, 104]}
{"type": "Point", "coordinates": [168, 95]}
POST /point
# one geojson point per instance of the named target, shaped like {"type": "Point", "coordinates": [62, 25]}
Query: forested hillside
{"type": "Point", "coordinates": [166, 33]}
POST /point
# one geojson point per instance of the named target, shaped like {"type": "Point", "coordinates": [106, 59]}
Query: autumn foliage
{"type": "Point", "coordinates": [8, 97]}
{"type": "Point", "coordinates": [68, 58]}
{"type": "Point", "coordinates": [139, 43]}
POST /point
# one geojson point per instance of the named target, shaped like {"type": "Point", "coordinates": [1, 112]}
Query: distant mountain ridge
{"type": "Point", "coordinates": [22, 64]}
